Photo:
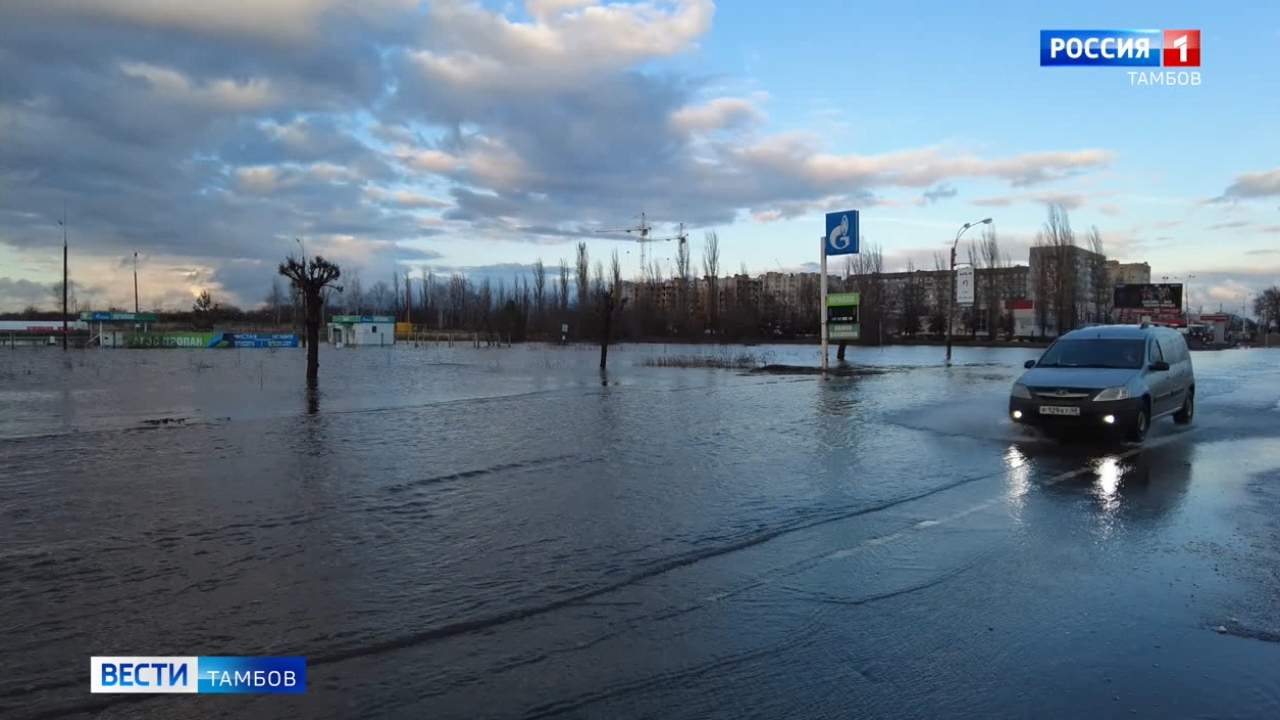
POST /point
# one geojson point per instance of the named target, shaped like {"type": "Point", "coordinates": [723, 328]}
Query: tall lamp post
{"type": "Point", "coordinates": [1244, 316]}
{"type": "Point", "coordinates": [951, 296]}
{"type": "Point", "coordinates": [65, 329]}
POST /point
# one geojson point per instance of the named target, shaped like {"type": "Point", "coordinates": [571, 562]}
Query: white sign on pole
{"type": "Point", "coordinates": [964, 285]}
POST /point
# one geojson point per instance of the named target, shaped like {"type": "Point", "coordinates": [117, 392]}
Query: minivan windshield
{"type": "Point", "coordinates": [1095, 353]}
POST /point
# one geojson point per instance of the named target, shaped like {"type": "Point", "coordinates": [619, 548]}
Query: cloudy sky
{"type": "Point", "coordinates": [453, 134]}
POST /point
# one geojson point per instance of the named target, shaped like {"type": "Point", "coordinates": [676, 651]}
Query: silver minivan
{"type": "Point", "coordinates": [1118, 377]}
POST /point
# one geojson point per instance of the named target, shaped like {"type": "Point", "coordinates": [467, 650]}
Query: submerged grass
{"type": "Point", "coordinates": [739, 361]}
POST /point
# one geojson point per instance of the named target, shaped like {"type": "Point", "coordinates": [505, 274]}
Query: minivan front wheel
{"type": "Point", "coordinates": [1188, 411]}
{"type": "Point", "coordinates": [1140, 424]}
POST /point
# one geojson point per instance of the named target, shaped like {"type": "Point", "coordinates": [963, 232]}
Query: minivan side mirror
{"type": "Point", "coordinates": [1159, 366]}
{"type": "Point", "coordinates": [1029, 364]}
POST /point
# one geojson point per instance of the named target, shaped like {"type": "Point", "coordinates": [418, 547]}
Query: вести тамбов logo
{"type": "Point", "coordinates": [1158, 57]}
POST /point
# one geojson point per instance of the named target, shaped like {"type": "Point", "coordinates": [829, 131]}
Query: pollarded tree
{"type": "Point", "coordinates": [310, 277]}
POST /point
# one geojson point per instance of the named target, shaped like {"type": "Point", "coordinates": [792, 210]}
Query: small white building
{"type": "Point", "coordinates": [362, 330]}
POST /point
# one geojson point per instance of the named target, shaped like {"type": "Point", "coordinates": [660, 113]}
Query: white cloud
{"type": "Point", "coordinates": [292, 20]}
{"type": "Point", "coordinates": [213, 134]}
{"type": "Point", "coordinates": [718, 114]}
{"type": "Point", "coordinates": [1253, 185]}
{"type": "Point", "coordinates": [1068, 200]}
{"type": "Point", "coordinates": [475, 49]}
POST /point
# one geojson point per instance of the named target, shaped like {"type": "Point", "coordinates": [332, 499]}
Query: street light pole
{"type": "Point", "coordinates": [65, 329]}
{"type": "Point", "coordinates": [1244, 317]}
{"type": "Point", "coordinates": [951, 296]}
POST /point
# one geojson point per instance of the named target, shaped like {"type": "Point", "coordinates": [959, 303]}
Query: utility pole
{"type": "Point", "coordinates": [135, 282]}
{"type": "Point", "coordinates": [65, 275]}
{"type": "Point", "coordinates": [951, 281]}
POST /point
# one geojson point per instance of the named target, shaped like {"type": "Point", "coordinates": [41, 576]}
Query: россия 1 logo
{"type": "Point", "coordinates": [1127, 48]}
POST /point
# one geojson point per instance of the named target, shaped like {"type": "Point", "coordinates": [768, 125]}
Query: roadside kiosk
{"type": "Point", "coordinates": [362, 330]}
{"type": "Point", "coordinates": [114, 328]}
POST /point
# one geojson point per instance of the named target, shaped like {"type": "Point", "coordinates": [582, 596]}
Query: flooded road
{"type": "Point", "coordinates": [503, 533]}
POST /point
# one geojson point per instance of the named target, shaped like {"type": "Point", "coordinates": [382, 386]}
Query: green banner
{"type": "Point", "coordinates": [168, 340]}
{"type": "Point", "coordinates": [842, 299]}
{"type": "Point", "coordinates": [842, 332]}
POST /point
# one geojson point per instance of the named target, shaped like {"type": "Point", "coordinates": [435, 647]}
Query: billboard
{"type": "Point", "coordinates": [167, 340]}
{"type": "Point", "coordinates": [1149, 296]}
{"type": "Point", "coordinates": [253, 340]}
{"type": "Point", "coordinates": [964, 285]}
{"type": "Point", "coordinates": [210, 340]}
{"type": "Point", "coordinates": [842, 315]}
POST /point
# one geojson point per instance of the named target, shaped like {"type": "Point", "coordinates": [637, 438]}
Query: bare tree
{"type": "Point", "coordinates": [913, 303]}
{"type": "Point", "coordinates": [971, 316]}
{"type": "Point", "coordinates": [484, 306]}
{"type": "Point", "coordinates": [381, 298]}
{"type": "Point", "coordinates": [1054, 271]}
{"type": "Point", "coordinates": [1267, 307]}
{"type": "Point", "coordinates": [426, 294]}
{"type": "Point", "coordinates": [276, 300]}
{"type": "Point", "coordinates": [311, 278]}
{"type": "Point", "coordinates": [459, 301]}
{"type": "Point", "coordinates": [583, 267]}
{"type": "Point", "coordinates": [711, 271]}
{"type": "Point", "coordinates": [867, 276]}
{"type": "Point", "coordinates": [684, 265]}
{"type": "Point", "coordinates": [992, 290]}
{"type": "Point", "coordinates": [353, 295]}
{"type": "Point", "coordinates": [55, 291]}
{"type": "Point", "coordinates": [608, 303]}
{"type": "Point", "coordinates": [394, 304]}
{"type": "Point", "coordinates": [1099, 282]}
{"type": "Point", "coordinates": [563, 295]}
{"type": "Point", "coordinates": [539, 289]}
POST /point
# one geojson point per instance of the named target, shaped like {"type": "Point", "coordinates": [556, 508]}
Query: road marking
{"type": "Point", "coordinates": [998, 499]}
{"type": "Point", "coordinates": [936, 522]}
{"type": "Point", "coordinates": [1137, 450]}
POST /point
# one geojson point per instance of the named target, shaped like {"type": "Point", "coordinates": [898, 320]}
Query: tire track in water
{"type": "Point", "coordinates": [655, 569]}
{"type": "Point", "coordinates": [814, 624]}
{"type": "Point", "coordinates": [490, 470]}
{"type": "Point", "coordinates": [443, 632]}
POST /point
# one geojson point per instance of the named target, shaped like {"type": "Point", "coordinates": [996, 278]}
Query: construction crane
{"type": "Point", "coordinates": [681, 237]}
{"type": "Point", "coordinates": [642, 232]}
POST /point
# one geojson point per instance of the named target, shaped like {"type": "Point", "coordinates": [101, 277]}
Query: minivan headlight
{"type": "Point", "coordinates": [1115, 393]}
{"type": "Point", "coordinates": [1021, 391]}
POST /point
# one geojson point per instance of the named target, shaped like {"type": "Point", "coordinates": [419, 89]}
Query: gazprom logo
{"type": "Point", "coordinates": [1106, 48]}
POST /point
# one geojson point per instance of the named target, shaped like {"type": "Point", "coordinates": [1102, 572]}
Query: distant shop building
{"type": "Point", "coordinates": [362, 330]}
{"type": "Point", "coordinates": [112, 329]}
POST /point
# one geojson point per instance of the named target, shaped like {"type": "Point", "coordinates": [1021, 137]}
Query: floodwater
{"type": "Point", "coordinates": [504, 533]}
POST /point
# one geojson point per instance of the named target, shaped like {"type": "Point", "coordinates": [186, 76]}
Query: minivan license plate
{"type": "Point", "coordinates": [1059, 410]}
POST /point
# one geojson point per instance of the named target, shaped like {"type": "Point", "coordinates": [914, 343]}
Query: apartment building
{"type": "Point", "coordinates": [1029, 289]}
{"type": "Point", "coordinates": [1119, 273]}
{"type": "Point", "coordinates": [1050, 268]}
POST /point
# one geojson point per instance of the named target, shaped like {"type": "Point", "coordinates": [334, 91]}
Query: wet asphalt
{"type": "Point", "coordinates": [457, 533]}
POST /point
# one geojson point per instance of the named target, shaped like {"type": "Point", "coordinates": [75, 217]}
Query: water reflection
{"type": "Point", "coordinates": [313, 399]}
{"type": "Point", "coordinates": [1107, 472]}
{"type": "Point", "coordinates": [1148, 485]}
{"type": "Point", "coordinates": [836, 396]}
{"type": "Point", "coordinates": [1018, 477]}
{"type": "Point", "coordinates": [1154, 483]}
